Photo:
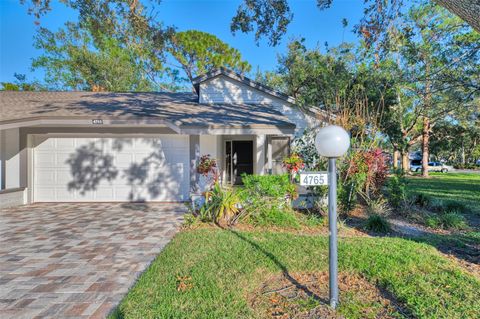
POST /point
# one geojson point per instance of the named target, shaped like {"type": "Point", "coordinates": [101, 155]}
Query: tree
{"type": "Point", "coordinates": [20, 84]}
{"type": "Point", "coordinates": [198, 52]}
{"type": "Point", "coordinates": [74, 59]}
{"type": "Point", "coordinates": [437, 52]}
{"type": "Point", "coordinates": [271, 18]}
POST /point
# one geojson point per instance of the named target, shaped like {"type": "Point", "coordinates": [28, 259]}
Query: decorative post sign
{"type": "Point", "coordinates": [313, 178]}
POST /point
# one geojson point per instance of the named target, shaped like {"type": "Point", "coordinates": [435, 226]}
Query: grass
{"type": "Point", "coordinates": [210, 273]}
{"type": "Point", "coordinates": [460, 188]}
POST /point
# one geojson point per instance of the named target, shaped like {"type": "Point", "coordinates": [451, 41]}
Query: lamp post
{"type": "Point", "coordinates": [332, 142]}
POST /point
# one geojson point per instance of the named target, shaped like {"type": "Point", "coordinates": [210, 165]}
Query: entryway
{"type": "Point", "coordinates": [238, 160]}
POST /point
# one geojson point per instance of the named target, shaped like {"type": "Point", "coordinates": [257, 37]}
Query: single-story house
{"type": "Point", "coordinates": [100, 146]}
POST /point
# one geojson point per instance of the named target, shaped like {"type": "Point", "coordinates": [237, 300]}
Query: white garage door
{"type": "Point", "coordinates": [111, 169]}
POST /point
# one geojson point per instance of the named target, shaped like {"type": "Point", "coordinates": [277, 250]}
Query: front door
{"type": "Point", "coordinates": [238, 159]}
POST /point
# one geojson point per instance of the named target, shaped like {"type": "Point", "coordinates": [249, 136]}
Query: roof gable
{"type": "Point", "coordinates": [240, 78]}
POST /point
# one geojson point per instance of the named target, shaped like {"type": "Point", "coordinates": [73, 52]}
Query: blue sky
{"type": "Point", "coordinates": [17, 29]}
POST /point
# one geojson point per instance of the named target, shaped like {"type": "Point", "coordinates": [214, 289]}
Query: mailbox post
{"type": "Point", "coordinates": [332, 142]}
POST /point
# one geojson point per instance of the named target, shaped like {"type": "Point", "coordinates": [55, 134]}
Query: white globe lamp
{"type": "Point", "coordinates": [332, 142]}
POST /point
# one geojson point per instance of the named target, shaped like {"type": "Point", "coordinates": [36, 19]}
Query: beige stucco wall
{"type": "Point", "coordinates": [10, 158]}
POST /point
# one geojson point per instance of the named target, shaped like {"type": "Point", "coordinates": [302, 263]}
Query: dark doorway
{"type": "Point", "coordinates": [238, 159]}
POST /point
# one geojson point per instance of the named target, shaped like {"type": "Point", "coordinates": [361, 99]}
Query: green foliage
{"type": "Point", "coordinates": [220, 203]}
{"type": "Point", "coordinates": [422, 200]}
{"type": "Point", "coordinates": [267, 17]}
{"type": "Point", "coordinates": [378, 206]}
{"type": "Point", "coordinates": [73, 59]}
{"type": "Point", "coordinates": [20, 84]}
{"type": "Point", "coordinates": [450, 220]}
{"type": "Point", "coordinates": [189, 219]}
{"type": "Point", "coordinates": [275, 216]}
{"type": "Point", "coordinates": [264, 200]}
{"type": "Point", "coordinates": [304, 145]}
{"type": "Point", "coordinates": [275, 186]}
{"type": "Point", "coordinates": [198, 52]}
{"type": "Point", "coordinates": [227, 266]}
{"type": "Point", "coordinates": [378, 224]}
{"type": "Point", "coordinates": [397, 189]}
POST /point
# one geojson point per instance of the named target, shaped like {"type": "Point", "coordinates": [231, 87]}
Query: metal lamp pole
{"type": "Point", "coordinates": [332, 224]}
{"type": "Point", "coordinates": [332, 142]}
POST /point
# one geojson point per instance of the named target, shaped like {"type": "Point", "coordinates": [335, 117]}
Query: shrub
{"type": "Point", "coordinates": [264, 200]}
{"type": "Point", "coordinates": [453, 206]}
{"type": "Point", "coordinates": [436, 205]}
{"type": "Point", "coordinates": [397, 189]}
{"type": "Point", "coordinates": [450, 220]}
{"type": "Point", "coordinates": [220, 203]}
{"type": "Point", "coordinates": [364, 172]}
{"type": "Point", "coordinates": [276, 186]}
{"type": "Point", "coordinates": [422, 200]}
{"type": "Point", "coordinates": [378, 206]}
{"type": "Point", "coordinates": [189, 220]}
{"type": "Point", "coordinates": [453, 220]}
{"type": "Point", "coordinates": [377, 224]}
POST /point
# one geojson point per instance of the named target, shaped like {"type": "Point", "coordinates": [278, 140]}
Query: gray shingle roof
{"type": "Point", "coordinates": [180, 109]}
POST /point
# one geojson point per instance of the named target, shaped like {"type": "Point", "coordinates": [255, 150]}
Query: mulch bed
{"type": "Point", "coordinates": [305, 296]}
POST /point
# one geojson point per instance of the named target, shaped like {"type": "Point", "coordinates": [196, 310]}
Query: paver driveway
{"type": "Point", "coordinates": [77, 260]}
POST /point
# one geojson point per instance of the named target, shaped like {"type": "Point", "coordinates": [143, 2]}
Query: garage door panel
{"type": "Point", "coordinates": [104, 193]}
{"type": "Point", "coordinates": [62, 158]}
{"type": "Point", "coordinates": [123, 160]}
{"type": "Point", "coordinates": [65, 143]}
{"type": "Point", "coordinates": [47, 176]}
{"type": "Point", "coordinates": [111, 169]}
{"type": "Point", "coordinates": [45, 159]}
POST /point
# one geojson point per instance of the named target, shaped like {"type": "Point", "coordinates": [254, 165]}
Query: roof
{"type": "Point", "coordinates": [243, 79]}
{"type": "Point", "coordinates": [179, 109]}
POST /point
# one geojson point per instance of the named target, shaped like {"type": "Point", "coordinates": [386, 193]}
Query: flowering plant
{"type": "Point", "coordinates": [206, 165]}
{"type": "Point", "coordinates": [293, 163]}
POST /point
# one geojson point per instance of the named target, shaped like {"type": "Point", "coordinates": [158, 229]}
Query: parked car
{"type": "Point", "coordinates": [416, 166]}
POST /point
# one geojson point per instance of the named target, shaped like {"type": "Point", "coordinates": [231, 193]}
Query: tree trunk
{"type": "Point", "coordinates": [425, 145]}
{"type": "Point", "coordinates": [405, 162]}
{"type": "Point", "coordinates": [468, 10]}
{"type": "Point", "coordinates": [395, 159]}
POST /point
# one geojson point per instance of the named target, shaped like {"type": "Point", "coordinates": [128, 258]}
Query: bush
{"type": "Point", "coordinates": [377, 224]}
{"type": "Point", "coordinates": [220, 203]}
{"type": "Point", "coordinates": [450, 220]}
{"type": "Point", "coordinates": [397, 189]}
{"type": "Point", "coordinates": [422, 200]}
{"type": "Point", "coordinates": [378, 207]}
{"type": "Point", "coordinates": [452, 206]}
{"type": "Point", "coordinates": [277, 186]}
{"type": "Point", "coordinates": [264, 200]}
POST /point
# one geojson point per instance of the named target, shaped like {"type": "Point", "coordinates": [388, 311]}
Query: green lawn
{"type": "Point", "coordinates": [459, 187]}
{"type": "Point", "coordinates": [221, 269]}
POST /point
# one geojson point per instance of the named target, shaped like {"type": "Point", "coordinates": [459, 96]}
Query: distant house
{"type": "Point", "coordinates": [100, 146]}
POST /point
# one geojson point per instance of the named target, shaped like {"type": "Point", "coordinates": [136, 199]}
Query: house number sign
{"type": "Point", "coordinates": [313, 178]}
{"type": "Point", "coordinates": [97, 121]}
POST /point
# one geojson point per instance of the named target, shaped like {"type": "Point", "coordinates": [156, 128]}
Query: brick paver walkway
{"type": "Point", "coordinates": [77, 260]}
